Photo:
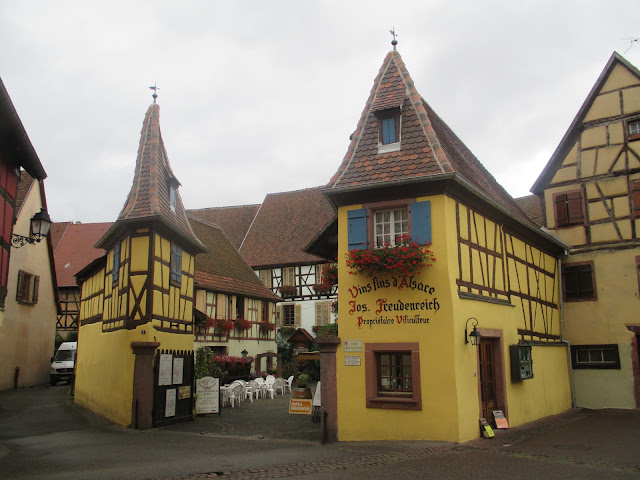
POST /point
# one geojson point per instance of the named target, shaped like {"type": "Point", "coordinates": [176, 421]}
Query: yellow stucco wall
{"type": "Point", "coordinates": [104, 377]}
{"type": "Point", "coordinates": [448, 366]}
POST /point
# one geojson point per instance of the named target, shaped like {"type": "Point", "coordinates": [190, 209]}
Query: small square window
{"type": "Point", "coordinates": [393, 375]}
{"type": "Point", "coordinates": [579, 282]}
{"type": "Point", "coordinates": [172, 198]}
{"type": "Point", "coordinates": [634, 130]}
{"type": "Point", "coordinates": [288, 315]}
{"type": "Point", "coordinates": [569, 208]}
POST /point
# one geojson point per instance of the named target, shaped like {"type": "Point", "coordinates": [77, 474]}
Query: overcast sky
{"type": "Point", "coordinates": [259, 97]}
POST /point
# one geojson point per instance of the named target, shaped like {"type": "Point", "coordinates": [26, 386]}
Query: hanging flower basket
{"type": "Point", "coordinates": [288, 290]}
{"type": "Point", "coordinates": [405, 258]}
{"type": "Point", "coordinates": [242, 324]}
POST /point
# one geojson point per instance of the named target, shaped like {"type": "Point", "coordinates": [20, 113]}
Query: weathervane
{"type": "Point", "coordinates": [394, 42]}
{"type": "Point", "coordinates": [155, 91]}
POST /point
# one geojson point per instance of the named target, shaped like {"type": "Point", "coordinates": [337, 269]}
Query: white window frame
{"type": "Point", "coordinates": [396, 227]}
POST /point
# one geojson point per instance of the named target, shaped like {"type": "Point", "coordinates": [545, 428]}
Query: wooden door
{"type": "Point", "coordinates": [488, 393]}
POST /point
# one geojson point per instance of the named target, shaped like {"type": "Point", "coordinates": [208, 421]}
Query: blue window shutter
{"type": "Point", "coordinates": [421, 222]}
{"type": "Point", "coordinates": [357, 226]}
{"type": "Point", "coordinates": [388, 130]}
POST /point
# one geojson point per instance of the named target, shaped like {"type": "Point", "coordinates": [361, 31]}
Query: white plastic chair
{"type": "Point", "coordinates": [261, 388]}
{"type": "Point", "coordinates": [269, 380]}
{"type": "Point", "coordinates": [252, 389]}
{"type": "Point", "coordinates": [235, 395]}
{"type": "Point", "coordinates": [280, 384]}
{"type": "Point", "coordinates": [288, 383]}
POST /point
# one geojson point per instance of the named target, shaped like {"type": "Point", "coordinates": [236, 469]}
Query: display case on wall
{"type": "Point", "coordinates": [521, 362]}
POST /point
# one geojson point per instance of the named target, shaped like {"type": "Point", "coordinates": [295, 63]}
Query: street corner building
{"type": "Point", "coordinates": [589, 194]}
{"type": "Point", "coordinates": [139, 297]}
{"type": "Point", "coordinates": [433, 257]}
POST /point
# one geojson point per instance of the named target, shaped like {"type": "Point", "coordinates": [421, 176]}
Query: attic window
{"type": "Point", "coordinates": [388, 130]}
{"type": "Point", "coordinates": [634, 130]}
{"type": "Point", "coordinates": [172, 198]}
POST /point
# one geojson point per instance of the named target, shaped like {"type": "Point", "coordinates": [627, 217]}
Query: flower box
{"type": "Point", "coordinates": [288, 290]}
{"type": "Point", "coordinates": [322, 288]}
{"type": "Point", "coordinates": [405, 258]}
{"type": "Point", "coordinates": [242, 324]}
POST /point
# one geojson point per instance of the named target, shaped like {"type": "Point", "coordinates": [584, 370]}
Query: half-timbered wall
{"type": "Point", "coordinates": [69, 297]}
{"type": "Point", "coordinates": [499, 267]}
{"type": "Point", "coordinates": [92, 303]}
{"type": "Point", "coordinates": [602, 163]}
{"type": "Point", "coordinates": [172, 309]}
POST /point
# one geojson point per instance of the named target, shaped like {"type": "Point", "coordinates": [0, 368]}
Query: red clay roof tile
{"type": "Point", "coordinates": [234, 221]}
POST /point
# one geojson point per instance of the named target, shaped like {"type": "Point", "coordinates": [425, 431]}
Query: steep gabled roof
{"type": "Point", "coordinates": [234, 221]}
{"type": "Point", "coordinates": [223, 269]}
{"type": "Point", "coordinates": [74, 248]}
{"type": "Point", "coordinates": [575, 128]}
{"type": "Point", "coordinates": [14, 139]}
{"type": "Point", "coordinates": [148, 199]}
{"type": "Point", "coordinates": [532, 206]}
{"type": "Point", "coordinates": [24, 187]}
{"type": "Point", "coordinates": [284, 225]}
{"type": "Point", "coordinates": [429, 148]}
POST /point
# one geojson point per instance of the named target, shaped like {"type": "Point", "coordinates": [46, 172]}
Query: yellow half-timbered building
{"type": "Point", "coordinates": [406, 366]}
{"type": "Point", "coordinates": [139, 296]}
{"type": "Point", "coordinates": [590, 194]}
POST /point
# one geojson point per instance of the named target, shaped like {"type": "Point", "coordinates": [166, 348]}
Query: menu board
{"type": "Point", "coordinates": [208, 395]}
{"type": "Point", "coordinates": [165, 374]}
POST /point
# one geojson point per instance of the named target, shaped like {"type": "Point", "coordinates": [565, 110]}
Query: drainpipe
{"type": "Point", "coordinates": [16, 374]}
{"type": "Point", "coordinates": [571, 379]}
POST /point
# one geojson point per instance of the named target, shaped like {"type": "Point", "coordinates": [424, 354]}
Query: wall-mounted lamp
{"type": "Point", "coordinates": [474, 335]}
{"type": "Point", "coordinates": [40, 224]}
{"type": "Point", "coordinates": [244, 353]}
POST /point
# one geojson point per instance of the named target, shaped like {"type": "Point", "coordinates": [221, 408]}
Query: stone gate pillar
{"type": "Point", "coordinates": [142, 399]}
{"type": "Point", "coordinates": [329, 388]}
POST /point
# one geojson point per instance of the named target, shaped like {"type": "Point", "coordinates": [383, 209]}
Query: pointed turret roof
{"type": "Point", "coordinates": [149, 198]}
{"type": "Point", "coordinates": [429, 149]}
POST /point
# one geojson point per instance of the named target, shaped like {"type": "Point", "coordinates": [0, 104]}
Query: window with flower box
{"type": "Point", "coordinates": [377, 224]}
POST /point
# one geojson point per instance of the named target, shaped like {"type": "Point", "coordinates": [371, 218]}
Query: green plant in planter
{"type": "Point", "coordinates": [303, 380]}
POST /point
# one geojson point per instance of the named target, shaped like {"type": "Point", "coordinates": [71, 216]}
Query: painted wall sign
{"type": "Point", "coordinates": [300, 406]}
{"type": "Point", "coordinates": [178, 365]}
{"type": "Point", "coordinates": [352, 360]}
{"type": "Point", "coordinates": [170, 405]}
{"type": "Point", "coordinates": [352, 346]}
{"type": "Point", "coordinates": [165, 373]}
{"type": "Point", "coordinates": [390, 308]}
{"type": "Point", "coordinates": [208, 395]}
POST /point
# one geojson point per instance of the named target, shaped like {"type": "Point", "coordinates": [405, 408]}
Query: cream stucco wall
{"type": "Point", "coordinates": [27, 335]}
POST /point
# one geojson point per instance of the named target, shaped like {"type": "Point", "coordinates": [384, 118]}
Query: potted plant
{"type": "Point", "coordinates": [302, 390]}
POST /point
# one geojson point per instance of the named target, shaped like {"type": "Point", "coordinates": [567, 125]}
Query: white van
{"type": "Point", "coordinates": [62, 364]}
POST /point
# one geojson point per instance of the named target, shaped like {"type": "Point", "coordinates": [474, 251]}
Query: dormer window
{"type": "Point", "coordinates": [172, 198]}
{"type": "Point", "coordinates": [388, 130]}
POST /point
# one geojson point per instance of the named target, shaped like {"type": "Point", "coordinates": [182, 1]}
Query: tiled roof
{"type": "Point", "coordinates": [149, 195]}
{"type": "Point", "coordinates": [74, 249]}
{"type": "Point", "coordinates": [24, 185]}
{"type": "Point", "coordinates": [284, 226]}
{"type": "Point", "coordinates": [234, 221]}
{"type": "Point", "coordinates": [223, 268]}
{"type": "Point", "coordinates": [428, 146]}
{"type": "Point", "coordinates": [532, 206]}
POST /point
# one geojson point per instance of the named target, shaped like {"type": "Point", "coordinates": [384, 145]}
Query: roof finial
{"type": "Point", "coordinates": [394, 42]}
{"type": "Point", "coordinates": [155, 91]}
